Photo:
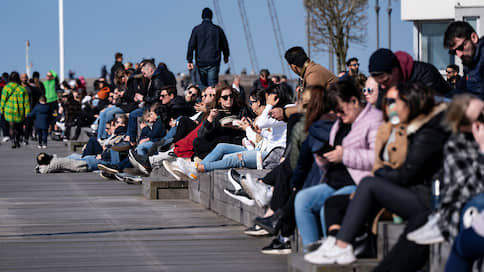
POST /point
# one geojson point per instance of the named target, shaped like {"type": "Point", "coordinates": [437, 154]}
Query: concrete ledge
{"type": "Point", "coordinates": [296, 263]}
{"type": "Point", "coordinates": [208, 190]}
{"type": "Point", "coordinates": [75, 146]}
{"type": "Point", "coordinates": [161, 185]}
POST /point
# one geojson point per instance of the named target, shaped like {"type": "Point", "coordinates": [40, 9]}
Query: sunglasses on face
{"type": "Point", "coordinates": [226, 97]}
{"type": "Point", "coordinates": [252, 102]}
{"type": "Point", "coordinates": [163, 95]}
{"type": "Point", "coordinates": [459, 48]}
{"type": "Point", "coordinates": [355, 64]}
{"type": "Point", "coordinates": [390, 101]}
{"type": "Point", "coordinates": [192, 93]}
{"type": "Point", "coordinates": [367, 90]}
{"type": "Point", "coordinates": [205, 95]}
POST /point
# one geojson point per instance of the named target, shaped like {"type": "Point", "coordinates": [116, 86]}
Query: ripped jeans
{"type": "Point", "coordinates": [225, 156]}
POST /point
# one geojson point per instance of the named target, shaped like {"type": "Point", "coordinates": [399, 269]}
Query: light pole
{"type": "Point", "coordinates": [27, 65]}
{"type": "Point", "coordinates": [377, 10]}
{"type": "Point", "coordinates": [61, 40]}
{"type": "Point", "coordinates": [389, 24]}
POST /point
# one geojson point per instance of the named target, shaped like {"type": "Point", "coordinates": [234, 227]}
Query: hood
{"type": "Point", "coordinates": [406, 64]}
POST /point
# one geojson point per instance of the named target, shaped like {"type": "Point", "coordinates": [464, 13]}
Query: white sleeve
{"type": "Point", "coordinates": [265, 121]}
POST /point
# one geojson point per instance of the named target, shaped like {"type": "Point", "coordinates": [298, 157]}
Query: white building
{"type": "Point", "coordinates": [430, 19]}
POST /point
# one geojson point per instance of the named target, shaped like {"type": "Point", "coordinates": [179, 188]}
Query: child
{"type": "Point", "coordinates": [42, 115]}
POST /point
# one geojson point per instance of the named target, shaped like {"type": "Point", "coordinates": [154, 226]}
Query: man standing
{"type": "Point", "coordinates": [462, 41]}
{"type": "Point", "coordinates": [353, 67]}
{"type": "Point", "coordinates": [208, 41]}
{"type": "Point", "coordinates": [118, 65]}
{"type": "Point", "coordinates": [452, 72]}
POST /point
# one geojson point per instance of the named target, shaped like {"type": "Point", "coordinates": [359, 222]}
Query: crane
{"type": "Point", "coordinates": [277, 34]}
{"type": "Point", "coordinates": [220, 21]}
{"type": "Point", "coordinates": [248, 36]}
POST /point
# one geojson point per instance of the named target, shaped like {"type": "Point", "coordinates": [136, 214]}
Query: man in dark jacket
{"type": "Point", "coordinates": [462, 41]}
{"type": "Point", "coordinates": [208, 41]}
{"type": "Point", "coordinates": [118, 65]}
{"type": "Point", "coordinates": [158, 79]}
{"type": "Point", "coordinates": [390, 68]}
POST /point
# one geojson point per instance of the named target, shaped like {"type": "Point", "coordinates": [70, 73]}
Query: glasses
{"type": "Point", "coordinates": [163, 95]}
{"type": "Point", "coordinates": [367, 90]}
{"type": "Point", "coordinates": [252, 102]}
{"type": "Point", "coordinates": [355, 64]}
{"type": "Point", "coordinates": [191, 93]}
{"type": "Point", "coordinates": [226, 97]}
{"type": "Point", "coordinates": [390, 101]}
{"type": "Point", "coordinates": [459, 48]}
{"type": "Point", "coordinates": [204, 95]}
{"type": "Point", "coordinates": [449, 72]}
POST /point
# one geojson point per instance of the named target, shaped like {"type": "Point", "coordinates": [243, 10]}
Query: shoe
{"type": "Point", "coordinates": [122, 146]}
{"type": "Point", "coordinates": [106, 175]}
{"type": "Point", "coordinates": [62, 126]}
{"type": "Point", "coordinates": [433, 219]}
{"type": "Point", "coordinates": [330, 253]}
{"type": "Point", "coordinates": [427, 235]}
{"type": "Point", "coordinates": [142, 163]}
{"type": "Point", "coordinates": [109, 168]}
{"type": "Point", "coordinates": [14, 146]}
{"type": "Point", "coordinates": [260, 192]}
{"type": "Point", "coordinates": [161, 156]}
{"type": "Point", "coordinates": [278, 248]}
{"type": "Point", "coordinates": [134, 172]}
{"type": "Point", "coordinates": [5, 139]}
{"type": "Point", "coordinates": [91, 134]}
{"type": "Point", "coordinates": [187, 167]}
{"type": "Point", "coordinates": [256, 230]}
{"type": "Point", "coordinates": [326, 243]}
{"type": "Point", "coordinates": [234, 178]}
{"type": "Point", "coordinates": [129, 179]}
{"type": "Point", "coordinates": [173, 169]}
{"type": "Point", "coordinates": [44, 146]}
{"type": "Point", "coordinates": [272, 223]}
{"type": "Point", "coordinates": [39, 146]}
{"type": "Point", "coordinates": [94, 126]}
{"type": "Point", "coordinates": [25, 143]}
{"type": "Point", "coordinates": [240, 195]}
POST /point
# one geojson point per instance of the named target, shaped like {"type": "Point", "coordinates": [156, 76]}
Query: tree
{"type": "Point", "coordinates": [336, 23]}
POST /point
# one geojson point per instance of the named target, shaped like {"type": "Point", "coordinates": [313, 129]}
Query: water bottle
{"type": "Point", "coordinates": [436, 193]}
{"type": "Point", "coordinates": [259, 160]}
{"type": "Point", "coordinates": [393, 115]}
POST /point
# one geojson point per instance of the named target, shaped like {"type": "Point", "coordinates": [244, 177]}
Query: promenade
{"type": "Point", "coordinates": [81, 222]}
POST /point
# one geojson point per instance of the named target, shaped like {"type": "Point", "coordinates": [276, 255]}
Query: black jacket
{"type": "Point", "coordinates": [161, 78]}
{"type": "Point", "coordinates": [426, 139]}
{"type": "Point", "coordinates": [208, 40]}
{"type": "Point", "coordinates": [116, 66]}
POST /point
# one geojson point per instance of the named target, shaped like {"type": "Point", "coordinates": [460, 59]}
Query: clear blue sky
{"type": "Point", "coordinates": [95, 30]}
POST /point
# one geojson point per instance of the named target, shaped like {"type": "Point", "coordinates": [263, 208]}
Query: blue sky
{"type": "Point", "coordinates": [95, 30]}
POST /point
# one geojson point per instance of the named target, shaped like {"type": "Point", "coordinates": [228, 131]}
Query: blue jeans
{"type": "Point", "coordinates": [208, 75]}
{"type": "Point", "coordinates": [225, 156]}
{"type": "Point", "coordinates": [133, 123]}
{"type": "Point", "coordinates": [92, 162]}
{"type": "Point", "coordinates": [143, 148]}
{"type": "Point", "coordinates": [42, 136]}
{"type": "Point", "coordinates": [104, 117]}
{"type": "Point", "coordinates": [309, 204]}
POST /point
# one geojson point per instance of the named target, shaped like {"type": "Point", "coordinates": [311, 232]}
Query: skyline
{"type": "Point", "coordinates": [93, 35]}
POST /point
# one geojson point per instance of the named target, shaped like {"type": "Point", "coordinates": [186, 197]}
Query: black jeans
{"type": "Point", "coordinates": [16, 130]}
{"type": "Point", "coordinates": [374, 193]}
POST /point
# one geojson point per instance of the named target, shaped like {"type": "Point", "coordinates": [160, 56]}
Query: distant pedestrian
{"type": "Point", "coordinates": [14, 106]}
{"type": "Point", "coordinates": [208, 41]}
{"type": "Point", "coordinates": [42, 115]}
{"type": "Point", "coordinates": [118, 65]}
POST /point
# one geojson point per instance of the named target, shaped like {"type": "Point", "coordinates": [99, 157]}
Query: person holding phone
{"type": "Point", "coordinates": [345, 161]}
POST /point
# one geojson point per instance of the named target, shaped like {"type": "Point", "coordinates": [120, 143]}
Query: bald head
{"type": "Point", "coordinates": [24, 78]}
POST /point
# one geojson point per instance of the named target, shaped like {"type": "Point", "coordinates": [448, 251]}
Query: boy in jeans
{"type": "Point", "coordinates": [42, 115]}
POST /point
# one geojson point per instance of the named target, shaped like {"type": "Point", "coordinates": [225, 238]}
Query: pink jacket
{"type": "Point", "coordinates": [359, 144]}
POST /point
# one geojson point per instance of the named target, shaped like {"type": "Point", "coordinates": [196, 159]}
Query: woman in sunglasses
{"type": "Point", "coordinates": [370, 91]}
{"type": "Point", "coordinates": [404, 191]}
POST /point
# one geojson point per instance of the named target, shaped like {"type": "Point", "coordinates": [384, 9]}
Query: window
{"type": "Point", "coordinates": [432, 45]}
{"type": "Point", "coordinates": [472, 20]}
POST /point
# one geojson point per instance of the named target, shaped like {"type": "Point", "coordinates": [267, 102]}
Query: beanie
{"type": "Point", "coordinates": [207, 13]}
{"type": "Point", "coordinates": [382, 60]}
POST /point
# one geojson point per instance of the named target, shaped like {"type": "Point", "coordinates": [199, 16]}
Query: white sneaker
{"type": "Point", "coordinates": [44, 146]}
{"type": "Point", "coordinates": [260, 192]}
{"type": "Point", "coordinates": [427, 235]}
{"type": "Point", "coordinates": [62, 126]}
{"type": "Point", "coordinates": [234, 178]}
{"type": "Point", "coordinates": [39, 146]}
{"type": "Point", "coordinates": [330, 253]}
{"type": "Point", "coordinates": [431, 222]}
{"type": "Point", "coordinates": [5, 139]}
{"type": "Point", "coordinates": [94, 126]}
{"type": "Point", "coordinates": [161, 156]}
{"type": "Point", "coordinates": [173, 169]}
{"type": "Point", "coordinates": [187, 167]}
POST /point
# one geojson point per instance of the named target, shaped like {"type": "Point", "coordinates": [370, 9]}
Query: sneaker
{"type": "Point", "coordinates": [174, 170]}
{"type": "Point", "coordinates": [277, 247]}
{"type": "Point", "coordinates": [234, 178]}
{"type": "Point", "coordinates": [432, 220]}
{"type": "Point", "coordinates": [330, 253]}
{"type": "Point", "coordinates": [129, 179]}
{"type": "Point", "coordinates": [327, 242]}
{"type": "Point", "coordinates": [61, 125]}
{"type": "Point", "coordinates": [427, 235]}
{"type": "Point", "coordinates": [260, 192]}
{"type": "Point", "coordinates": [91, 134]}
{"type": "Point", "coordinates": [44, 146]}
{"type": "Point", "coordinates": [5, 139]}
{"type": "Point", "coordinates": [240, 195]}
{"type": "Point", "coordinates": [109, 168]}
{"type": "Point", "coordinates": [140, 162]}
{"type": "Point", "coordinates": [256, 230]}
{"type": "Point", "coordinates": [187, 167]}
{"type": "Point", "coordinates": [161, 156]}
{"type": "Point", "coordinates": [39, 146]}
{"type": "Point", "coordinates": [106, 175]}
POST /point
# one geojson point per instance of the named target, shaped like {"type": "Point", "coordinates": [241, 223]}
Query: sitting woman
{"type": "Point", "coordinates": [272, 132]}
{"type": "Point", "coordinates": [404, 190]}
{"type": "Point", "coordinates": [462, 188]}
{"type": "Point", "coordinates": [353, 138]}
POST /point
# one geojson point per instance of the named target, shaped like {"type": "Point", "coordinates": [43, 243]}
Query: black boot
{"type": "Point", "coordinates": [272, 223]}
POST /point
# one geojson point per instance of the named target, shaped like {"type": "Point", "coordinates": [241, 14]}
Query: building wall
{"type": "Point", "coordinates": [415, 10]}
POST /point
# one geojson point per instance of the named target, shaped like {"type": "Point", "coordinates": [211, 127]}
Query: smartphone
{"type": "Point", "coordinates": [325, 149]}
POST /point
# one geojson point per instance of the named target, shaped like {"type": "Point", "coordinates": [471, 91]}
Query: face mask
{"type": "Point", "coordinates": [393, 115]}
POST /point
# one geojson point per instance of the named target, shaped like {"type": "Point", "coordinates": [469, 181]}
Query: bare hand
{"type": "Point", "coordinates": [320, 161]}
{"type": "Point", "coordinates": [478, 132]}
{"type": "Point", "coordinates": [172, 122]}
{"type": "Point", "coordinates": [200, 107]}
{"type": "Point", "coordinates": [257, 129]}
{"type": "Point", "coordinates": [244, 124]}
{"type": "Point", "coordinates": [272, 99]}
{"type": "Point", "coordinates": [335, 156]}
{"type": "Point", "coordinates": [277, 114]}
{"type": "Point", "coordinates": [190, 66]}
{"type": "Point", "coordinates": [211, 116]}
{"type": "Point", "coordinates": [138, 97]}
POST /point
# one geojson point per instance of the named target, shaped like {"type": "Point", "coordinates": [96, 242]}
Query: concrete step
{"type": "Point", "coordinates": [296, 263]}
{"type": "Point", "coordinates": [162, 185]}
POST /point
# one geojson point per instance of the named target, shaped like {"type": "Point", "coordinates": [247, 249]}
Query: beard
{"type": "Point", "coordinates": [468, 60]}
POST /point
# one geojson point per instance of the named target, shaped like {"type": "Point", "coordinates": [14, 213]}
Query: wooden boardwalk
{"type": "Point", "coordinates": [81, 222]}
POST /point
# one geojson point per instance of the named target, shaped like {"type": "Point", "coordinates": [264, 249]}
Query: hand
{"type": "Point", "coordinates": [320, 161]}
{"type": "Point", "coordinates": [336, 155]}
{"type": "Point", "coordinates": [244, 124]}
{"type": "Point", "coordinates": [277, 114]}
{"type": "Point", "coordinates": [226, 59]}
{"type": "Point", "coordinates": [143, 140]}
{"type": "Point", "coordinates": [138, 97]}
{"type": "Point", "coordinates": [190, 66]}
{"type": "Point", "coordinates": [257, 129]}
{"type": "Point", "coordinates": [478, 132]}
{"type": "Point", "coordinates": [211, 116]}
{"type": "Point", "coordinates": [172, 122]}
{"type": "Point", "coordinates": [98, 156]}
{"type": "Point", "coordinates": [200, 107]}
{"type": "Point", "coordinates": [272, 99]}
{"type": "Point", "coordinates": [142, 125]}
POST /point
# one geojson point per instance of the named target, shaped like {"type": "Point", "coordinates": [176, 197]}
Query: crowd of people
{"type": "Point", "coordinates": [342, 151]}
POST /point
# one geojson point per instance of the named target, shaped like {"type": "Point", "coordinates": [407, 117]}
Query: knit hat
{"type": "Point", "coordinates": [382, 60]}
{"type": "Point", "coordinates": [103, 93]}
{"type": "Point", "coordinates": [207, 13]}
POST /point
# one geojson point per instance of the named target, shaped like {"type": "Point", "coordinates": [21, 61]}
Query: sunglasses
{"type": "Point", "coordinates": [226, 97]}
{"type": "Point", "coordinates": [163, 95]}
{"type": "Point", "coordinates": [367, 90]}
{"type": "Point", "coordinates": [204, 95]}
{"type": "Point", "coordinates": [252, 102]}
{"type": "Point", "coordinates": [459, 48]}
{"type": "Point", "coordinates": [339, 110]}
{"type": "Point", "coordinates": [191, 93]}
{"type": "Point", "coordinates": [355, 64]}
{"type": "Point", "coordinates": [390, 101]}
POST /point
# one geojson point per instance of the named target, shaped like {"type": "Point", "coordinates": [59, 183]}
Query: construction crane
{"type": "Point", "coordinates": [277, 34]}
{"type": "Point", "coordinates": [220, 21]}
{"type": "Point", "coordinates": [248, 36]}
